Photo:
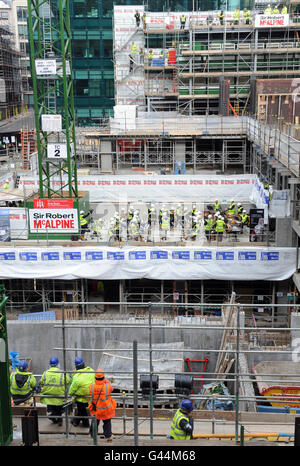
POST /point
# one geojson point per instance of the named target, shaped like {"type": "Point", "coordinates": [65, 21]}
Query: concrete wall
{"type": "Point", "coordinates": [38, 340]}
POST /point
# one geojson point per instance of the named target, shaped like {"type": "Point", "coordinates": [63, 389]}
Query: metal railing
{"type": "Point", "coordinates": [236, 341]}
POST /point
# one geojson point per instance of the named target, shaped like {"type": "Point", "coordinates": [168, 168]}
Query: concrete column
{"type": "Point", "coordinates": [106, 155]}
{"type": "Point", "coordinates": [179, 155]}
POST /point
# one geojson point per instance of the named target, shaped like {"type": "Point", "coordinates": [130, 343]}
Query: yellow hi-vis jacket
{"type": "Point", "coordinates": [133, 49]}
{"type": "Point", "coordinates": [22, 389]}
{"type": "Point", "coordinates": [80, 386]}
{"type": "Point", "coordinates": [176, 431]}
{"type": "Point", "coordinates": [53, 384]}
{"type": "Point", "coordinates": [236, 15]}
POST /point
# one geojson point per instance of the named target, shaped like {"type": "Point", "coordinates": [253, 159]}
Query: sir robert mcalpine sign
{"type": "Point", "coordinates": [53, 220]}
{"type": "Point", "coordinates": [271, 21]}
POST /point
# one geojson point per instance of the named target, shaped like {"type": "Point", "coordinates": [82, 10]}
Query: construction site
{"type": "Point", "coordinates": [162, 245]}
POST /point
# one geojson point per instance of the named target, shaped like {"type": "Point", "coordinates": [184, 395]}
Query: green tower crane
{"type": "Point", "coordinates": [6, 426]}
{"type": "Point", "coordinates": [51, 65]}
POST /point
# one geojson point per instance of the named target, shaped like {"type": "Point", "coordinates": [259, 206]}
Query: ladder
{"type": "Point", "coordinates": [28, 146]}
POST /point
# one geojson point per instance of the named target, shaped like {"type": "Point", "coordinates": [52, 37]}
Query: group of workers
{"type": "Point", "coordinates": [231, 220]}
{"type": "Point", "coordinates": [246, 14]}
{"type": "Point", "coordinates": [187, 222]}
{"type": "Point", "coordinates": [221, 16]}
{"type": "Point", "coordinates": [91, 392]}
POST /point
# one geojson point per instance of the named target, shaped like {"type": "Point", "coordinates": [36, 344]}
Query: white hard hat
{"type": "Point", "coordinates": [210, 216]}
{"type": "Point", "coordinates": [82, 211]}
{"type": "Point", "coordinates": [244, 211]}
{"type": "Point", "coordinates": [239, 203]}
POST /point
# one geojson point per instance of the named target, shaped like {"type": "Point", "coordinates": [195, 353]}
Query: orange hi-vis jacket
{"type": "Point", "coordinates": [100, 397]}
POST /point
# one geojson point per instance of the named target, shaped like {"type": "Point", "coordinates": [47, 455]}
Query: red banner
{"type": "Point", "coordinates": [53, 203]}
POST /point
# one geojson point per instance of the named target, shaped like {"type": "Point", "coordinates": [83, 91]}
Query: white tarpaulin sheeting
{"type": "Point", "coordinates": [168, 263]}
{"type": "Point", "coordinates": [167, 188]}
{"type": "Point", "coordinates": [280, 204]}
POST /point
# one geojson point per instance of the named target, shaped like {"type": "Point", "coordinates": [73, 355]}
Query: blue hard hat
{"type": "Point", "coordinates": [78, 361]}
{"type": "Point", "coordinates": [53, 361]}
{"type": "Point", "coordinates": [187, 405]}
{"type": "Point", "coordinates": [23, 366]}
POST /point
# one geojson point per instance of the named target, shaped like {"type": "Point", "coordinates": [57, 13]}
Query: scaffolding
{"type": "Point", "coordinates": [11, 100]}
{"type": "Point", "coordinates": [206, 54]}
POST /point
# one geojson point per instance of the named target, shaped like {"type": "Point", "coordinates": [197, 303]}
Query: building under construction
{"type": "Point", "coordinates": [211, 118]}
{"type": "Point", "coordinates": [10, 74]}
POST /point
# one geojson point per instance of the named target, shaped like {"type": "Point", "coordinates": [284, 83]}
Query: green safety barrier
{"type": "Point", "coordinates": [6, 426]}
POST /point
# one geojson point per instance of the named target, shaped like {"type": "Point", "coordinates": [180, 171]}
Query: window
{"type": "Point", "coordinates": [108, 46]}
{"type": "Point", "coordinates": [109, 87]}
{"type": "Point", "coordinates": [86, 48]}
{"type": "Point", "coordinates": [80, 48]}
{"type": "Point", "coordinates": [94, 88]}
{"type": "Point", "coordinates": [82, 87]}
{"type": "Point", "coordinates": [22, 30]}
{"type": "Point", "coordinates": [22, 13]}
{"type": "Point", "coordinates": [24, 48]}
{"type": "Point", "coordinates": [3, 14]}
{"type": "Point", "coordinates": [88, 8]}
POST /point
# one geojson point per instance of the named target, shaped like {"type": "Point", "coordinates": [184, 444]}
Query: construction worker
{"type": "Point", "coordinates": [182, 424]}
{"type": "Point", "coordinates": [221, 17]}
{"type": "Point", "coordinates": [208, 227]}
{"type": "Point", "coordinates": [165, 225]}
{"type": "Point", "coordinates": [134, 231]}
{"type": "Point", "coordinates": [275, 10]}
{"type": "Point", "coordinates": [83, 224]}
{"type": "Point", "coordinates": [113, 229]}
{"type": "Point", "coordinates": [245, 218]}
{"type": "Point", "coordinates": [133, 49]}
{"type": "Point", "coordinates": [102, 405]}
{"type": "Point", "coordinates": [141, 55]}
{"type": "Point", "coordinates": [178, 214]}
{"type": "Point", "coordinates": [196, 228]}
{"type": "Point", "coordinates": [151, 215]}
{"type": "Point", "coordinates": [268, 10]}
{"type": "Point", "coordinates": [231, 208]}
{"type": "Point", "coordinates": [150, 57]}
{"type": "Point", "coordinates": [182, 21]}
{"type": "Point", "coordinates": [240, 208]}
{"type": "Point", "coordinates": [97, 228]}
{"type": "Point", "coordinates": [144, 20]}
{"type": "Point", "coordinates": [54, 383]}
{"type": "Point", "coordinates": [137, 18]}
{"type": "Point", "coordinates": [22, 383]}
{"type": "Point", "coordinates": [79, 388]}
{"type": "Point", "coordinates": [220, 228]}
{"type": "Point", "coordinates": [284, 10]}
{"type": "Point", "coordinates": [6, 185]}
{"type": "Point", "coordinates": [217, 206]}
{"type": "Point", "coordinates": [247, 16]}
{"type": "Point", "coordinates": [236, 16]}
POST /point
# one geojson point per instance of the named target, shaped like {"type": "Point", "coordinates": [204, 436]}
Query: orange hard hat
{"type": "Point", "coordinates": [99, 374]}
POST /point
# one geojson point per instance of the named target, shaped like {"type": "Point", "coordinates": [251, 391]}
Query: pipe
{"type": "Point", "coordinates": [246, 435]}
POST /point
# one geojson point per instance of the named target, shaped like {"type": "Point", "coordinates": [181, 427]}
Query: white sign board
{"type": "Point", "coordinates": [271, 21]}
{"type": "Point", "coordinates": [51, 123]}
{"type": "Point", "coordinates": [57, 151]}
{"type": "Point", "coordinates": [45, 67]}
{"type": "Point", "coordinates": [53, 221]}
